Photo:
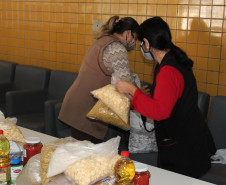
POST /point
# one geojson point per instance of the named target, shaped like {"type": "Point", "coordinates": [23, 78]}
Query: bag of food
{"type": "Point", "coordinates": [91, 169]}
{"type": "Point", "coordinates": [30, 175]}
{"type": "Point", "coordinates": [116, 101]}
{"type": "Point", "coordinates": [11, 131]}
{"type": "Point", "coordinates": [46, 154]}
{"type": "Point", "coordinates": [102, 112]}
{"type": "Point", "coordinates": [70, 153]}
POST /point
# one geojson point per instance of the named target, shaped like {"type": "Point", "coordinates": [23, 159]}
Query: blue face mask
{"type": "Point", "coordinates": [147, 55]}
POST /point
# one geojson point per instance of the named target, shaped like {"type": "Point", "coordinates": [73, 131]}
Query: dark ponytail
{"type": "Point", "coordinates": [157, 32]}
{"type": "Point", "coordinates": [181, 56]}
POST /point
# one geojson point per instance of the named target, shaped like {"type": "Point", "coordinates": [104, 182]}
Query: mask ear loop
{"type": "Point", "coordinates": [141, 45]}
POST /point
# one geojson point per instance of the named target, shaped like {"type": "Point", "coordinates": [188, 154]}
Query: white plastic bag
{"type": "Point", "coordinates": [61, 180]}
{"type": "Point", "coordinates": [140, 140]}
{"type": "Point", "coordinates": [219, 157]}
{"type": "Point", "coordinates": [10, 130]}
{"type": "Point", "coordinates": [69, 153]}
{"type": "Point", "coordinates": [2, 118]}
{"type": "Point", "coordinates": [30, 174]}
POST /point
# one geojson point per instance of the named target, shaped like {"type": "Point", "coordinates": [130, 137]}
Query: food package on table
{"type": "Point", "coordinates": [30, 175]}
{"type": "Point", "coordinates": [84, 152]}
{"type": "Point", "coordinates": [102, 112]}
{"type": "Point", "coordinates": [46, 154]}
{"type": "Point", "coordinates": [116, 101]}
{"type": "Point", "coordinates": [11, 131]}
{"type": "Point", "coordinates": [91, 169]}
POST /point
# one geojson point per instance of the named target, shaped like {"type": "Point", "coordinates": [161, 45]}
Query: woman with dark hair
{"type": "Point", "coordinates": [183, 138]}
{"type": "Point", "coordinates": [107, 57]}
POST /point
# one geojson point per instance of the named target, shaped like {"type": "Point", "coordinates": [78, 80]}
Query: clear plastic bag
{"type": "Point", "coordinates": [11, 130]}
{"type": "Point", "coordinates": [117, 102]}
{"type": "Point", "coordinates": [70, 153]}
{"type": "Point", "coordinates": [91, 169]}
{"type": "Point", "coordinates": [61, 180]}
{"type": "Point", "coordinates": [102, 112]}
{"type": "Point", "coordinates": [46, 154]}
{"type": "Point", "coordinates": [30, 175]}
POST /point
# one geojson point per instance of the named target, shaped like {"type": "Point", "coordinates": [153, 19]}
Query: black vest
{"type": "Point", "coordinates": [184, 140]}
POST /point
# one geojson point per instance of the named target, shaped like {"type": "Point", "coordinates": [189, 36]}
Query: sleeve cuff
{"type": "Point", "coordinates": [135, 97]}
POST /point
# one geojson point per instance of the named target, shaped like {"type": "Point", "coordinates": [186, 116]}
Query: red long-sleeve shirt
{"type": "Point", "coordinates": [169, 88]}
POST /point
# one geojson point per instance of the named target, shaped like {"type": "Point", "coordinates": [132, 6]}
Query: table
{"type": "Point", "coordinates": [158, 175]}
{"type": "Point", "coordinates": [31, 133]}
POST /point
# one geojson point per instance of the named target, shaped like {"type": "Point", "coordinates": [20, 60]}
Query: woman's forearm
{"type": "Point", "coordinates": [123, 86]}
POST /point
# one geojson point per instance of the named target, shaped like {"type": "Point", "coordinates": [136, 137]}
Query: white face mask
{"type": "Point", "coordinates": [147, 55]}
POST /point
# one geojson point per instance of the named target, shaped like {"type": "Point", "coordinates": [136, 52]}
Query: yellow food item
{"type": "Point", "coordinates": [11, 131]}
{"type": "Point", "coordinates": [116, 101]}
{"type": "Point", "coordinates": [102, 112]}
{"type": "Point", "coordinates": [91, 169]}
{"type": "Point", "coordinates": [46, 155]}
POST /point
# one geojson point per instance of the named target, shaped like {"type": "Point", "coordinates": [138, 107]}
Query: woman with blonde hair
{"type": "Point", "coordinates": [106, 57]}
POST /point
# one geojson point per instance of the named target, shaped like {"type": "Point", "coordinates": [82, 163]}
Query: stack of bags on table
{"type": "Point", "coordinates": [69, 161]}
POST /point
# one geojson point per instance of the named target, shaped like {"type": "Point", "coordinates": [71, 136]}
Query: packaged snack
{"type": "Point", "coordinates": [102, 112]}
{"type": "Point", "coordinates": [11, 131]}
{"type": "Point", "coordinates": [92, 169]}
{"type": "Point", "coordinates": [30, 173]}
{"type": "Point", "coordinates": [116, 101]}
{"type": "Point", "coordinates": [46, 154]}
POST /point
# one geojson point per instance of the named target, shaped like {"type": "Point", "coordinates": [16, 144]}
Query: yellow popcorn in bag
{"type": "Point", "coordinates": [91, 169]}
{"type": "Point", "coordinates": [11, 131]}
{"type": "Point", "coordinates": [116, 101]}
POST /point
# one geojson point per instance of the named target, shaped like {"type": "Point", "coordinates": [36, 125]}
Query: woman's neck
{"type": "Point", "coordinates": [119, 36]}
{"type": "Point", "coordinates": [159, 54]}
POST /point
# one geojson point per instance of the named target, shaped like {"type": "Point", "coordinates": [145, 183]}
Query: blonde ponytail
{"type": "Point", "coordinates": [108, 27]}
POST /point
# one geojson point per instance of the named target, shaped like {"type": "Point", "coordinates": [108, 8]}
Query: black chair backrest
{"type": "Point", "coordinates": [59, 83]}
{"type": "Point", "coordinates": [203, 103]}
{"type": "Point", "coordinates": [7, 71]}
{"type": "Point", "coordinates": [30, 77]}
{"type": "Point", "coordinates": [217, 120]}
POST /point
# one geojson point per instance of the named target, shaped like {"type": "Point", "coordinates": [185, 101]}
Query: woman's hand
{"type": "Point", "coordinates": [124, 86]}
{"type": "Point", "coordinates": [145, 90]}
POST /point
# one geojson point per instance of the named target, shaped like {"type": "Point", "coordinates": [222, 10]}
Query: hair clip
{"type": "Point", "coordinates": [117, 20]}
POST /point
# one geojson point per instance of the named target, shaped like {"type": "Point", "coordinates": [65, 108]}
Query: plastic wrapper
{"type": "Point", "coordinates": [61, 180]}
{"type": "Point", "coordinates": [102, 112]}
{"type": "Point", "coordinates": [70, 153]}
{"type": "Point", "coordinates": [46, 155]}
{"type": "Point", "coordinates": [109, 180]}
{"type": "Point", "coordinates": [91, 169]}
{"type": "Point", "coordinates": [219, 157]}
{"type": "Point", "coordinates": [116, 101]}
{"type": "Point", "coordinates": [10, 129]}
{"type": "Point", "coordinates": [30, 175]}
{"type": "Point", "coordinates": [140, 140]}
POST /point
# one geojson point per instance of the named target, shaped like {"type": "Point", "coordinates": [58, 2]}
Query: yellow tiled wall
{"type": "Point", "coordinates": [55, 34]}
